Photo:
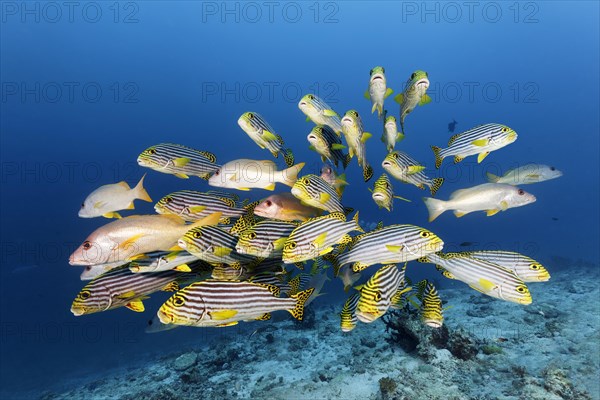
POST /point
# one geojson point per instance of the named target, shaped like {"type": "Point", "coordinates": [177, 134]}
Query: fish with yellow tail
{"type": "Point", "coordinates": [130, 237]}
{"type": "Point", "coordinates": [319, 112]}
{"type": "Point", "coordinates": [489, 197]}
{"type": "Point", "coordinates": [178, 160]}
{"type": "Point", "coordinates": [415, 93]}
{"type": "Point", "coordinates": [108, 199]}
{"type": "Point", "coordinates": [407, 170]}
{"type": "Point", "coordinates": [383, 193]}
{"type": "Point", "coordinates": [264, 136]}
{"type": "Point", "coordinates": [485, 277]}
{"type": "Point", "coordinates": [213, 303]}
{"type": "Point", "coordinates": [378, 90]}
{"type": "Point", "coordinates": [356, 138]}
{"type": "Point", "coordinates": [480, 140]}
{"type": "Point", "coordinates": [245, 174]}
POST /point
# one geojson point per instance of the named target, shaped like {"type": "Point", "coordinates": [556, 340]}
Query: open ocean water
{"type": "Point", "coordinates": [86, 86]}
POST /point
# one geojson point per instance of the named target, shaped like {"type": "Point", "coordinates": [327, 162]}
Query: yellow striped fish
{"type": "Point", "coordinates": [383, 193]}
{"type": "Point", "coordinates": [319, 112]}
{"type": "Point", "coordinates": [480, 140]}
{"type": "Point", "coordinates": [317, 236]}
{"type": "Point", "coordinates": [376, 293]}
{"type": "Point", "coordinates": [431, 305]}
{"type": "Point", "coordinates": [264, 136]}
{"type": "Point", "coordinates": [265, 239]}
{"type": "Point", "coordinates": [213, 303]}
{"type": "Point", "coordinates": [315, 192]}
{"type": "Point", "coordinates": [179, 160]}
{"type": "Point", "coordinates": [524, 267]}
{"type": "Point", "coordinates": [348, 319]}
{"type": "Point", "coordinates": [407, 170]}
{"type": "Point", "coordinates": [484, 276]}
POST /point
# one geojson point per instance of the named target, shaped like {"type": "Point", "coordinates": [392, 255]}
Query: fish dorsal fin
{"type": "Point", "coordinates": [208, 155]}
{"type": "Point", "coordinates": [271, 288]}
{"type": "Point", "coordinates": [124, 185]}
{"type": "Point", "coordinates": [229, 202]}
{"type": "Point", "coordinates": [453, 139]}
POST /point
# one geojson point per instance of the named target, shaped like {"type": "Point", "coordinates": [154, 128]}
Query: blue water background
{"type": "Point", "coordinates": [158, 78]}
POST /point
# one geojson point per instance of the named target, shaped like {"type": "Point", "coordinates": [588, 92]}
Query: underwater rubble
{"type": "Point", "coordinates": [549, 350]}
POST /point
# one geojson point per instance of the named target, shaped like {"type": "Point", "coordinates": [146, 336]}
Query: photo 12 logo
{"type": "Point", "coordinates": [453, 12]}
{"type": "Point", "coordinates": [69, 92]}
{"type": "Point", "coordinates": [270, 92]}
{"type": "Point", "coordinates": [253, 12]}
{"type": "Point", "coordinates": [53, 12]}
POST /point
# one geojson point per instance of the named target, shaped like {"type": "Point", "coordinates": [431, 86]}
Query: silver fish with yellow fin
{"type": "Point", "coordinates": [129, 237]}
{"type": "Point", "coordinates": [246, 174]}
{"type": "Point", "coordinates": [378, 90]}
{"type": "Point", "coordinates": [108, 199]}
{"type": "Point", "coordinates": [390, 132]}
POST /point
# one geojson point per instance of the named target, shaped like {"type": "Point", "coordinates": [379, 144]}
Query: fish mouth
{"type": "Point", "coordinates": [181, 243]}
{"type": "Point", "coordinates": [77, 311]}
{"type": "Point", "coordinates": [423, 82]}
{"type": "Point", "coordinates": [377, 77]}
{"type": "Point", "coordinates": [346, 120]}
{"type": "Point", "coordinates": [302, 104]}
{"type": "Point", "coordinates": [524, 300]}
{"type": "Point", "coordinates": [295, 191]}
{"type": "Point", "coordinates": [433, 323]}
{"type": "Point", "coordinates": [164, 317]}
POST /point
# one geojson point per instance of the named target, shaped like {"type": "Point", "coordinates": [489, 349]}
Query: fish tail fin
{"type": "Point", "coordinates": [358, 227]}
{"type": "Point", "coordinates": [288, 156]}
{"type": "Point", "coordinates": [438, 157]}
{"type": "Point", "coordinates": [435, 207]}
{"type": "Point", "coordinates": [290, 175]}
{"type": "Point", "coordinates": [367, 172]}
{"type": "Point", "coordinates": [140, 192]}
{"type": "Point", "coordinates": [492, 178]}
{"type": "Point", "coordinates": [301, 298]}
{"type": "Point", "coordinates": [346, 160]}
{"type": "Point", "coordinates": [212, 219]}
{"type": "Point", "coordinates": [435, 185]}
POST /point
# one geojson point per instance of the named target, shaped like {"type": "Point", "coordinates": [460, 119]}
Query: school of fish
{"type": "Point", "coordinates": [228, 260]}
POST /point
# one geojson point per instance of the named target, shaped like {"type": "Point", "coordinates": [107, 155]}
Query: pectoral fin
{"type": "Point", "coordinates": [197, 209]}
{"type": "Point", "coordinates": [337, 146]}
{"type": "Point", "coordinates": [320, 240]}
{"type": "Point", "coordinates": [131, 241]}
{"type": "Point", "coordinates": [367, 95]}
{"type": "Point", "coordinates": [136, 306]}
{"type": "Point", "coordinates": [480, 142]}
{"type": "Point", "coordinates": [330, 113]}
{"type": "Point", "coordinates": [388, 92]}
{"type": "Point", "coordinates": [221, 251]}
{"type": "Point", "coordinates": [223, 314]}
{"type": "Point", "coordinates": [181, 161]}
{"type": "Point", "coordinates": [399, 98]}
{"type": "Point", "coordinates": [486, 285]}
{"type": "Point", "coordinates": [365, 136]}
{"type": "Point", "coordinates": [425, 100]}
{"type": "Point", "coordinates": [324, 198]}
{"type": "Point", "coordinates": [183, 268]}
{"type": "Point", "coordinates": [393, 248]}
{"type": "Point", "coordinates": [279, 243]}
{"type": "Point", "coordinates": [269, 136]}
{"type": "Point", "coordinates": [99, 204]}
{"type": "Point", "coordinates": [413, 169]}
{"type": "Point", "coordinates": [503, 205]}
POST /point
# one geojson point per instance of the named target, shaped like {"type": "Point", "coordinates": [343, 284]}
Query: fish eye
{"type": "Point", "coordinates": [305, 181]}
{"type": "Point", "coordinates": [85, 295]}
{"type": "Point", "coordinates": [250, 115]}
{"type": "Point", "coordinates": [505, 129]}
{"type": "Point", "coordinates": [83, 204]}
{"type": "Point", "coordinates": [535, 266]}
{"type": "Point", "coordinates": [151, 151]}
{"type": "Point", "coordinates": [252, 235]}
{"type": "Point", "coordinates": [413, 75]}
{"type": "Point", "coordinates": [268, 203]}
{"type": "Point", "coordinates": [521, 289]}
{"type": "Point", "coordinates": [552, 169]}
{"type": "Point", "coordinates": [291, 245]}
{"type": "Point", "coordinates": [387, 185]}
{"type": "Point", "coordinates": [217, 173]}
{"type": "Point", "coordinates": [197, 234]}
{"type": "Point", "coordinates": [168, 199]}
{"type": "Point", "coordinates": [178, 301]}
{"type": "Point", "coordinates": [383, 70]}
{"type": "Point", "coordinates": [425, 234]}
{"type": "Point", "coordinates": [377, 296]}
{"type": "Point", "coordinates": [395, 155]}
{"type": "Point", "coordinates": [426, 74]}
{"type": "Point", "coordinates": [310, 96]}
{"type": "Point", "coordinates": [86, 245]}
{"type": "Point", "coordinates": [371, 72]}
{"type": "Point", "coordinates": [521, 192]}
